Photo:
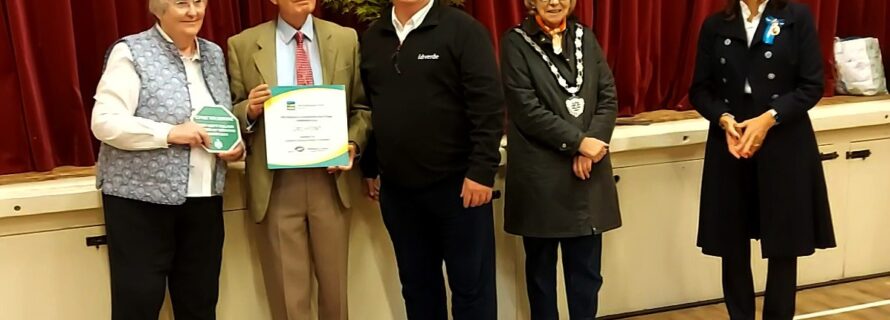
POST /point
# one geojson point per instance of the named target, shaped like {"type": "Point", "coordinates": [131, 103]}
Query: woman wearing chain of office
{"type": "Point", "coordinates": [560, 190]}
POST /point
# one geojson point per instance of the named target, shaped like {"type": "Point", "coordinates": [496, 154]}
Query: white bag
{"type": "Point", "coordinates": [860, 70]}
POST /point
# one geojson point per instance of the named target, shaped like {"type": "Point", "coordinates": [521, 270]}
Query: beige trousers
{"type": "Point", "coordinates": [305, 234]}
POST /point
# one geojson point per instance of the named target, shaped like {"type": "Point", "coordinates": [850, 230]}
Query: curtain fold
{"type": "Point", "coordinates": [51, 60]}
{"type": "Point", "coordinates": [498, 16]}
{"type": "Point", "coordinates": [49, 90]}
{"type": "Point", "coordinates": [826, 13]}
{"type": "Point", "coordinates": [650, 46]}
{"type": "Point", "coordinates": [15, 147]}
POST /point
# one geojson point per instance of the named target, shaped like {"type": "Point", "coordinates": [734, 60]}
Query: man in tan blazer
{"type": "Point", "coordinates": [300, 211]}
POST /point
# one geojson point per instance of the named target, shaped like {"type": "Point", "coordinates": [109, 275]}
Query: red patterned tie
{"type": "Point", "coordinates": [304, 68]}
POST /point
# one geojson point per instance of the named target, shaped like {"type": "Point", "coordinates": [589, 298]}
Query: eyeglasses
{"type": "Point", "coordinates": [185, 4]}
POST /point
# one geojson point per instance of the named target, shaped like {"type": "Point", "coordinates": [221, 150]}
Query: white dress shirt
{"type": "Point", "coordinates": [751, 28]}
{"type": "Point", "coordinates": [286, 55]}
{"type": "Point", "coordinates": [114, 121]}
{"type": "Point", "coordinates": [403, 30]}
{"type": "Point", "coordinates": [286, 52]}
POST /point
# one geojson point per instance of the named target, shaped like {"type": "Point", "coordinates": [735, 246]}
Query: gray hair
{"type": "Point", "coordinates": [158, 7]}
{"type": "Point", "coordinates": [532, 6]}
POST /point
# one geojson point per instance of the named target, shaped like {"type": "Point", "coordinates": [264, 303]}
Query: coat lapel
{"type": "Point", "coordinates": [327, 49]}
{"type": "Point", "coordinates": [264, 58]}
{"type": "Point", "coordinates": [770, 11]}
{"type": "Point", "coordinates": [761, 28]}
{"type": "Point", "coordinates": [734, 29]}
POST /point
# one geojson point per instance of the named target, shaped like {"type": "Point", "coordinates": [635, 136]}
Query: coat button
{"type": "Point", "coordinates": [726, 101]}
{"type": "Point", "coordinates": [725, 81]}
{"type": "Point", "coordinates": [564, 146]}
{"type": "Point", "coordinates": [768, 54]}
{"type": "Point", "coordinates": [722, 60]}
{"type": "Point", "coordinates": [727, 42]}
{"type": "Point", "coordinates": [771, 76]}
{"type": "Point", "coordinates": [775, 96]}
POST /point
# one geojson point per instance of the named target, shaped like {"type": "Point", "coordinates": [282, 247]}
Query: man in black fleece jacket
{"type": "Point", "coordinates": [431, 77]}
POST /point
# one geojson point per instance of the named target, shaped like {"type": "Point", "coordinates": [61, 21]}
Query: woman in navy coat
{"type": "Point", "coordinates": [758, 71]}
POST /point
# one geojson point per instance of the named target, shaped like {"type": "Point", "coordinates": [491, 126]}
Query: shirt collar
{"type": "Point", "coordinates": [195, 57]}
{"type": "Point", "coordinates": [286, 32]}
{"type": "Point", "coordinates": [531, 27]}
{"type": "Point", "coordinates": [746, 12]}
{"type": "Point", "coordinates": [416, 20]}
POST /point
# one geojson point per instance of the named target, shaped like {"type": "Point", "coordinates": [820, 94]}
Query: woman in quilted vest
{"type": "Point", "coordinates": [161, 190]}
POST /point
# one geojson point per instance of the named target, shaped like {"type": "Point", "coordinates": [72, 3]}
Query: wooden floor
{"type": "Point", "coordinates": [809, 302]}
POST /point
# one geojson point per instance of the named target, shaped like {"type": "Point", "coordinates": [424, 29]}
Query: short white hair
{"type": "Point", "coordinates": [158, 7]}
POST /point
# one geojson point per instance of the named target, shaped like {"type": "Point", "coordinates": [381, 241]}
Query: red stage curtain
{"type": "Point", "coordinates": [51, 60]}
{"type": "Point", "coordinates": [650, 44]}
{"type": "Point", "coordinates": [826, 14]}
{"type": "Point", "coordinates": [45, 123]}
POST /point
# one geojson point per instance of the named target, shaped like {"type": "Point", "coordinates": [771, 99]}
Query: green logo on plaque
{"type": "Point", "coordinates": [221, 126]}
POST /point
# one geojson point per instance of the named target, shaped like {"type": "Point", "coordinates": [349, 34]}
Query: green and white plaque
{"type": "Point", "coordinates": [222, 127]}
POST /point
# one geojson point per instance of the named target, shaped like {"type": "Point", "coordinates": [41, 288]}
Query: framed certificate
{"type": "Point", "coordinates": [306, 127]}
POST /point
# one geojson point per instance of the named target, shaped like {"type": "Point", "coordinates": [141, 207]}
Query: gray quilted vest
{"type": "Point", "coordinates": [161, 176]}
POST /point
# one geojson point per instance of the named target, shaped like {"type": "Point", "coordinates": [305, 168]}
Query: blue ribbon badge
{"type": "Point", "coordinates": [773, 29]}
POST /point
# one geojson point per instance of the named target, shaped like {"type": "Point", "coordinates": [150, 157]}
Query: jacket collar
{"type": "Point", "coordinates": [198, 52]}
{"type": "Point", "coordinates": [266, 60]}
{"type": "Point", "coordinates": [287, 32]}
{"type": "Point", "coordinates": [432, 18]}
{"type": "Point", "coordinates": [534, 31]}
{"type": "Point", "coordinates": [328, 49]}
{"type": "Point", "coordinates": [735, 28]}
{"type": "Point", "coordinates": [264, 57]}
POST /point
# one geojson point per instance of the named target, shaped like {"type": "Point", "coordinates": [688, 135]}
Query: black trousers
{"type": "Point", "coordinates": [428, 226]}
{"type": "Point", "coordinates": [581, 261]}
{"type": "Point", "coordinates": [738, 281]}
{"type": "Point", "coordinates": [151, 246]}
{"type": "Point", "coordinates": [738, 285]}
